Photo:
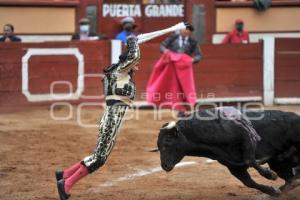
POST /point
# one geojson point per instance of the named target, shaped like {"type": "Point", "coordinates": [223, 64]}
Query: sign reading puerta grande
{"type": "Point", "coordinates": [136, 10]}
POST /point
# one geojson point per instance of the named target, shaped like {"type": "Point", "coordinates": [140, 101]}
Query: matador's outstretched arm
{"type": "Point", "coordinates": [132, 56]}
{"type": "Point", "coordinates": [148, 36]}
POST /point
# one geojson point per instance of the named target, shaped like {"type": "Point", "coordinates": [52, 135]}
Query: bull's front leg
{"type": "Point", "coordinates": [265, 172]}
{"type": "Point", "coordinates": [242, 174]}
{"type": "Point", "coordinates": [249, 149]}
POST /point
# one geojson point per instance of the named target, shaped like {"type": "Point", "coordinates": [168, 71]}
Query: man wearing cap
{"type": "Point", "coordinates": [127, 26]}
{"type": "Point", "coordinates": [85, 32]}
{"type": "Point", "coordinates": [238, 35]}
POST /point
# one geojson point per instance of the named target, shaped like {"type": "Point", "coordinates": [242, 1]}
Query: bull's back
{"type": "Point", "coordinates": [275, 127]}
{"type": "Point", "coordinates": [209, 127]}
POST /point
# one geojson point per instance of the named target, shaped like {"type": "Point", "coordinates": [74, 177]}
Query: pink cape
{"type": "Point", "coordinates": [172, 82]}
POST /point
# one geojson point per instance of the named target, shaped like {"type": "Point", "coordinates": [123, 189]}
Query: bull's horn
{"type": "Point", "coordinates": [170, 125]}
{"type": "Point", "coordinates": [154, 150]}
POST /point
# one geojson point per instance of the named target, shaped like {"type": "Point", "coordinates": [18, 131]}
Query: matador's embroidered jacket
{"type": "Point", "coordinates": [118, 83]}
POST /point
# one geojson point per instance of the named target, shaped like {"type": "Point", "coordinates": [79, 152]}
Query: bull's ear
{"type": "Point", "coordinates": [168, 126]}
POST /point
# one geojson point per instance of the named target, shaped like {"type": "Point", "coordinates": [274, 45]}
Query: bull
{"type": "Point", "coordinates": [218, 139]}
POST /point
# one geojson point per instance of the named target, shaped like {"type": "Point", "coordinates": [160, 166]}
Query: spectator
{"type": "Point", "coordinates": [238, 35]}
{"type": "Point", "coordinates": [262, 5]}
{"type": "Point", "coordinates": [85, 33]}
{"type": "Point", "coordinates": [8, 34]}
{"type": "Point", "coordinates": [172, 79]}
{"type": "Point", "coordinates": [128, 26]}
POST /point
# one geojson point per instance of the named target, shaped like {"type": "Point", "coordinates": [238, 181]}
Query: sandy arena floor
{"type": "Point", "coordinates": [33, 145]}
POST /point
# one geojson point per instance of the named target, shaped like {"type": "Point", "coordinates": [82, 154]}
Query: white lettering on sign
{"type": "Point", "coordinates": [164, 11]}
{"type": "Point", "coordinates": [121, 10]}
{"type": "Point", "coordinates": [134, 10]}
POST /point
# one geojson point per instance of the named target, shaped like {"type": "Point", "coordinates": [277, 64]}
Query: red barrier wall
{"type": "Point", "coordinates": [43, 70]}
{"type": "Point", "coordinates": [230, 71]}
{"type": "Point", "coordinates": [224, 71]}
{"type": "Point", "coordinates": [287, 67]}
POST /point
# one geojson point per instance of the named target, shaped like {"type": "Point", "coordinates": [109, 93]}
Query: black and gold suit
{"type": "Point", "coordinates": [119, 90]}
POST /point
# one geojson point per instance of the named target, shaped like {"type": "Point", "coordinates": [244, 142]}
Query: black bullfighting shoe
{"type": "Point", "coordinates": [61, 190]}
{"type": "Point", "coordinates": [59, 174]}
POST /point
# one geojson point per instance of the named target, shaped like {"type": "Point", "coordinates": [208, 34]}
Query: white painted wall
{"type": "Point", "coordinates": [44, 38]}
{"type": "Point", "coordinates": [52, 96]}
{"type": "Point", "coordinates": [116, 50]}
{"type": "Point", "coordinates": [268, 70]}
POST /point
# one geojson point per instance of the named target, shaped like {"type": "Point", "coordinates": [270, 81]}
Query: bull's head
{"type": "Point", "coordinates": [170, 145]}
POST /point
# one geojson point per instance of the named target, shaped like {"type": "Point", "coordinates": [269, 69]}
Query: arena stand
{"type": "Point", "coordinates": [227, 73]}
